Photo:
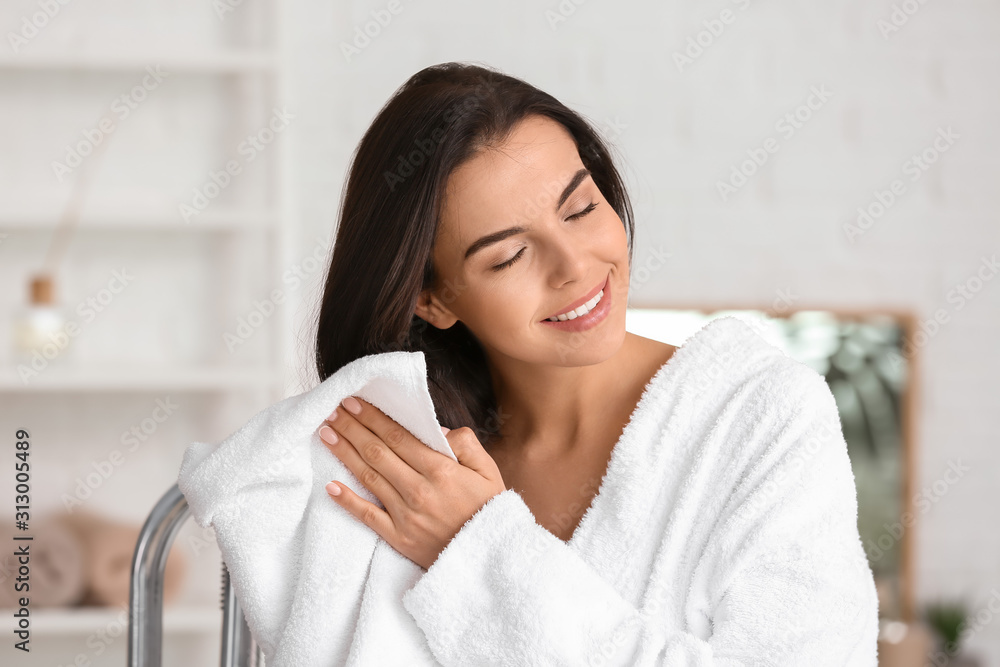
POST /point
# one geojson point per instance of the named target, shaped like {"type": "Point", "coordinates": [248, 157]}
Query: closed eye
{"type": "Point", "coordinates": [575, 216]}
{"type": "Point", "coordinates": [584, 211]}
{"type": "Point", "coordinates": [501, 267]}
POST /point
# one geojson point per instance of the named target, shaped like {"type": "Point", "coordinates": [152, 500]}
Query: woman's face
{"type": "Point", "coordinates": [569, 242]}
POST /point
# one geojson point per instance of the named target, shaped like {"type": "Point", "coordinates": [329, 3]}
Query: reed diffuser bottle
{"type": "Point", "coordinates": [40, 328]}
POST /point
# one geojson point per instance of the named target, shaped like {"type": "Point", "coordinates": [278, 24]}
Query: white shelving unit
{"type": "Point", "coordinates": [205, 63]}
{"type": "Point", "coordinates": [176, 620]}
{"type": "Point", "coordinates": [244, 241]}
{"type": "Point", "coordinates": [131, 221]}
{"type": "Point", "coordinates": [150, 379]}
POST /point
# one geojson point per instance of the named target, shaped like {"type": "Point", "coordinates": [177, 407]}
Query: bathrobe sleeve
{"type": "Point", "coordinates": [787, 577]}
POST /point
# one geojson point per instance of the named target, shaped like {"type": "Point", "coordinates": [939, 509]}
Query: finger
{"type": "Point", "coordinates": [470, 452]}
{"type": "Point", "coordinates": [407, 448]}
{"type": "Point", "coordinates": [378, 456]}
{"type": "Point", "coordinates": [368, 513]}
{"type": "Point", "coordinates": [369, 477]}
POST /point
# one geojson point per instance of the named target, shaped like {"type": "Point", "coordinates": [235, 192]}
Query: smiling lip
{"type": "Point", "coordinates": [582, 300]}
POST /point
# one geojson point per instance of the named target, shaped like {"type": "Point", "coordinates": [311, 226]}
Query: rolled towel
{"type": "Point", "coordinates": [904, 644]}
{"type": "Point", "coordinates": [110, 547]}
{"type": "Point", "coordinates": [57, 565]}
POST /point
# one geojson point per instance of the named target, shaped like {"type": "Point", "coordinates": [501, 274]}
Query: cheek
{"type": "Point", "coordinates": [499, 313]}
{"type": "Point", "coordinates": [500, 303]}
{"type": "Point", "coordinates": [610, 237]}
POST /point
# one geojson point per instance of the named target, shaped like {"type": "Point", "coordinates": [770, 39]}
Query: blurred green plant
{"type": "Point", "coordinates": [862, 362]}
{"type": "Point", "coordinates": [947, 619]}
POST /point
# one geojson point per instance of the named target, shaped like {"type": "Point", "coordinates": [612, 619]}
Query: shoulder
{"type": "Point", "coordinates": [772, 392]}
{"type": "Point", "coordinates": [790, 408]}
{"type": "Point", "coordinates": [784, 439]}
{"type": "Point", "coordinates": [746, 357]}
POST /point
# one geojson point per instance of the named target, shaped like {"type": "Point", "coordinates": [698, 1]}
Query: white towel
{"type": "Point", "coordinates": [724, 533]}
{"type": "Point", "coordinates": [317, 586]}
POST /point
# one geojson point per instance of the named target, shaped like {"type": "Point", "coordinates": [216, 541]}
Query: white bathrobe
{"type": "Point", "coordinates": [724, 533]}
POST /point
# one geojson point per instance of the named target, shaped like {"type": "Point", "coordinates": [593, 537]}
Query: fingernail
{"type": "Point", "coordinates": [352, 405]}
{"type": "Point", "coordinates": [445, 429]}
{"type": "Point", "coordinates": [328, 435]}
{"type": "Point", "coordinates": [333, 489]}
{"type": "Point", "coordinates": [332, 416]}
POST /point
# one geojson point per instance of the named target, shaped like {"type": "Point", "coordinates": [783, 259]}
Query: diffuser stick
{"type": "Point", "coordinates": [71, 214]}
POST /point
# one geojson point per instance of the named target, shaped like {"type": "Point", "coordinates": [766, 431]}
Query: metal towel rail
{"type": "Point", "coordinates": [145, 633]}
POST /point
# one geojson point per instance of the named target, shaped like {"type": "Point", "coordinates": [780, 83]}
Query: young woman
{"type": "Point", "coordinates": [616, 500]}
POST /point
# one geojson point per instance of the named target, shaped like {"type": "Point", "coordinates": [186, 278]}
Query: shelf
{"type": "Point", "coordinates": [55, 621]}
{"type": "Point", "coordinates": [206, 63]}
{"type": "Point", "coordinates": [222, 77]}
{"type": "Point", "coordinates": [73, 379]}
{"type": "Point", "coordinates": [136, 221]}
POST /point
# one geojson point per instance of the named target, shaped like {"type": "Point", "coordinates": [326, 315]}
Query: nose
{"type": "Point", "coordinates": [566, 256]}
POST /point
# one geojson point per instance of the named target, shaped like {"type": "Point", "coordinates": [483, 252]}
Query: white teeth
{"type": "Point", "coordinates": [582, 310]}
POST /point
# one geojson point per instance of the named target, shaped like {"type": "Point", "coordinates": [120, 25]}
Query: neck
{"type": "Point", "coordinates": [554, 411]}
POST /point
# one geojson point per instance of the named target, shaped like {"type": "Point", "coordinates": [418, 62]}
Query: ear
{"type": "Point", "coordinates": [431, 310]}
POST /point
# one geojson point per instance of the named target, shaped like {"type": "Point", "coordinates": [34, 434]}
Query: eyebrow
{"type": "Point", "coordinates": [496, 237]}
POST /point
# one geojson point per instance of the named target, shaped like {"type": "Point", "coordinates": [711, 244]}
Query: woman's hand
{"type": "Point", "coordinates": [427, 496]}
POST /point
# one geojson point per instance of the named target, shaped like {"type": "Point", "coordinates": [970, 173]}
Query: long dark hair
{"type": "Point", "coordinates": [382, 255]}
